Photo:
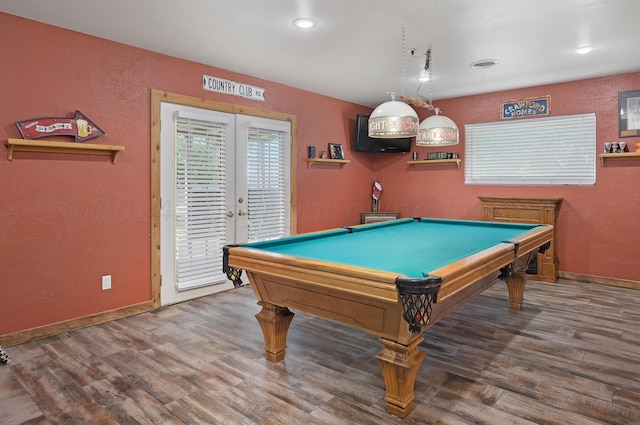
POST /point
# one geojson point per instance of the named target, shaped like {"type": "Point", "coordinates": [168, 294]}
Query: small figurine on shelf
{"type": "Point", "coordinates": [377, 191]}
{"type": "Point", "coordinates": [616, 147]}
{"type": "Point", "coordinates": [323, 155]}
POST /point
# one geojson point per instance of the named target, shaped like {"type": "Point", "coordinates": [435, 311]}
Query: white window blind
{"type": "Point", "coordinates": [200, 205]}
{"type": "Point", "coordinates": [268, 186]}
{"type": "Point", "coordinates": [538, 151]}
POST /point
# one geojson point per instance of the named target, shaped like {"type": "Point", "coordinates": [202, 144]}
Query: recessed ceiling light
{"type": "Point", "coordinates": [584, 50]}
{"type": "Point", "coordinates": [484, 63]}
{"type": "Point", "coordinates": [304, 23]}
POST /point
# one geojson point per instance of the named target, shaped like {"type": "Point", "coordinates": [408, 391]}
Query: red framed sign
{"type": "Point", "coordinates": [79, 126]}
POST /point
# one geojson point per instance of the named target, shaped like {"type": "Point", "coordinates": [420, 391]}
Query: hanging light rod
{"type": "Point", "coordinates": [436, 130]}
{"type": "Point", "coordinates": [394, 119]}
{"type": "Point", "coordinates": [417, 102]}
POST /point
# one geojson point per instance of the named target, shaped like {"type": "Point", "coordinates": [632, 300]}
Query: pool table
{"type": "Point", "coordinates": [393, 279]}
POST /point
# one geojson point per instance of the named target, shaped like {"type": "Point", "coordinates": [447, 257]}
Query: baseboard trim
{"type": "Point", "coordinates": [93, 319]}
{"type": "Point", "coordinates": [20, 337]}
{"type": "Point", "coordinates": [608, 281]}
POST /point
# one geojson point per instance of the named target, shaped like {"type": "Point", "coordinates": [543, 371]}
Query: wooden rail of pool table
{"type": "Point", "coordinates": [368, 300]}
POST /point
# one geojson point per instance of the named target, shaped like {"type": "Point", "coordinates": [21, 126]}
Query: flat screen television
{"type": "Point", "coordinates": [364, 143]}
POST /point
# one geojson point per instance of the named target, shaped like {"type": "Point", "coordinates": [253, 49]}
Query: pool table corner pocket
{"type": "Point", "coordinates": [418, 296]}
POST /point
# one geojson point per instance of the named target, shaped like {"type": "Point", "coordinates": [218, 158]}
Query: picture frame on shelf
{"type": "Point", "coordinates": [629, 113]}
{"type": "Point", "coordinates": [335, 151]}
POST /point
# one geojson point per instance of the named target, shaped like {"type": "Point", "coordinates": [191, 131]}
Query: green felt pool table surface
{"type": "Point", "coordinates": [407, 246]}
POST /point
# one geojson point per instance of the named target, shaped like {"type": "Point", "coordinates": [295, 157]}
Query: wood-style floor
{"type": "Point", "coordinates": [571, 356]}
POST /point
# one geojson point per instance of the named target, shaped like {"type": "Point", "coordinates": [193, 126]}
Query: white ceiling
{"type": "Point", "coordinates": [355, 51]}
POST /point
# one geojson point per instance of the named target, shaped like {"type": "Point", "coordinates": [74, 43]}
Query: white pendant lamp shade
{"type": "Point", "coordinates": [393, 119]}
{"type": "Point", "coordinates": [437, 130]}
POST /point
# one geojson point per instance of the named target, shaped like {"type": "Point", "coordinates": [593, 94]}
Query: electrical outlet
{"type": "Point", "coordinates": [106, 282]}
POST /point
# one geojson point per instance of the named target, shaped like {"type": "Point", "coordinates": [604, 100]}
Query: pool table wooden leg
{"type": "Point", "coordinates": [517, 281]}
{"type": "Point", "coordinates": [274, 321]}
{"type": "Point", "coordinates": [400, 364]}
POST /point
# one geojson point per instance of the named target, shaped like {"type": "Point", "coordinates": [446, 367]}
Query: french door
{"type": "Point", "coordinates": [224, 178]}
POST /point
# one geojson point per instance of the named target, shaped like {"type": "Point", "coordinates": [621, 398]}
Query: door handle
{"type": "Point", "coordinates": [229, 213]}
{"type": "Point", "coordinates": [240, 212]}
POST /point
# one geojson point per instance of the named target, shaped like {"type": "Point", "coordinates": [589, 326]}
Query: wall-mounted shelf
{"type": "Point", "coordinates": [456, 161]}
{"type": "Point", "coordinates": [621, 155]}
{"type": "Point", "coordinates": [340, 162]}
{"type": "Point", "coordinates": [23, 145]}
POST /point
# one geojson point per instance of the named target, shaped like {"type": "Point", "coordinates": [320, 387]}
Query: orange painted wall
{"type": "Point", "coordinates": [67, 220]}
{"type": "Point", "coordinates": [599, 226]}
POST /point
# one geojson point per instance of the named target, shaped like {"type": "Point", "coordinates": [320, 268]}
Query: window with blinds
{"type": "Point", "coordinates": [268, 185]}
{"type": "Point", "coordinates": [200, 205]}
{"type": "Point", "coordinates": [537, 151]}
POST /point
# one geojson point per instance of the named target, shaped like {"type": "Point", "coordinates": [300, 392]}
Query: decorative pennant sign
{"type": "Point", "coordinates": [80, 127]}
{"type": "Point", "coordinates": [233, 88]}
{"type": "Point", "coordinates": [534, 106]}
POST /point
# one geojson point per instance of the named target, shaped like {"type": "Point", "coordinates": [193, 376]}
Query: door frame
{"type": "Point", "coordinates": [159, 96]}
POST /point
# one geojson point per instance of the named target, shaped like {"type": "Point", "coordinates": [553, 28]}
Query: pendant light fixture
{"type": "Point", "coordinates": [436, 130]}
{"type": "Point", "coordinates": [394, 118]}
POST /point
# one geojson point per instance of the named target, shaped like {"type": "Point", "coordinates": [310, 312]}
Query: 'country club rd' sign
{"type": "Point", "coordinates": [233, 88]}
{"type": "Point", "coordinates": [526, 107]}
